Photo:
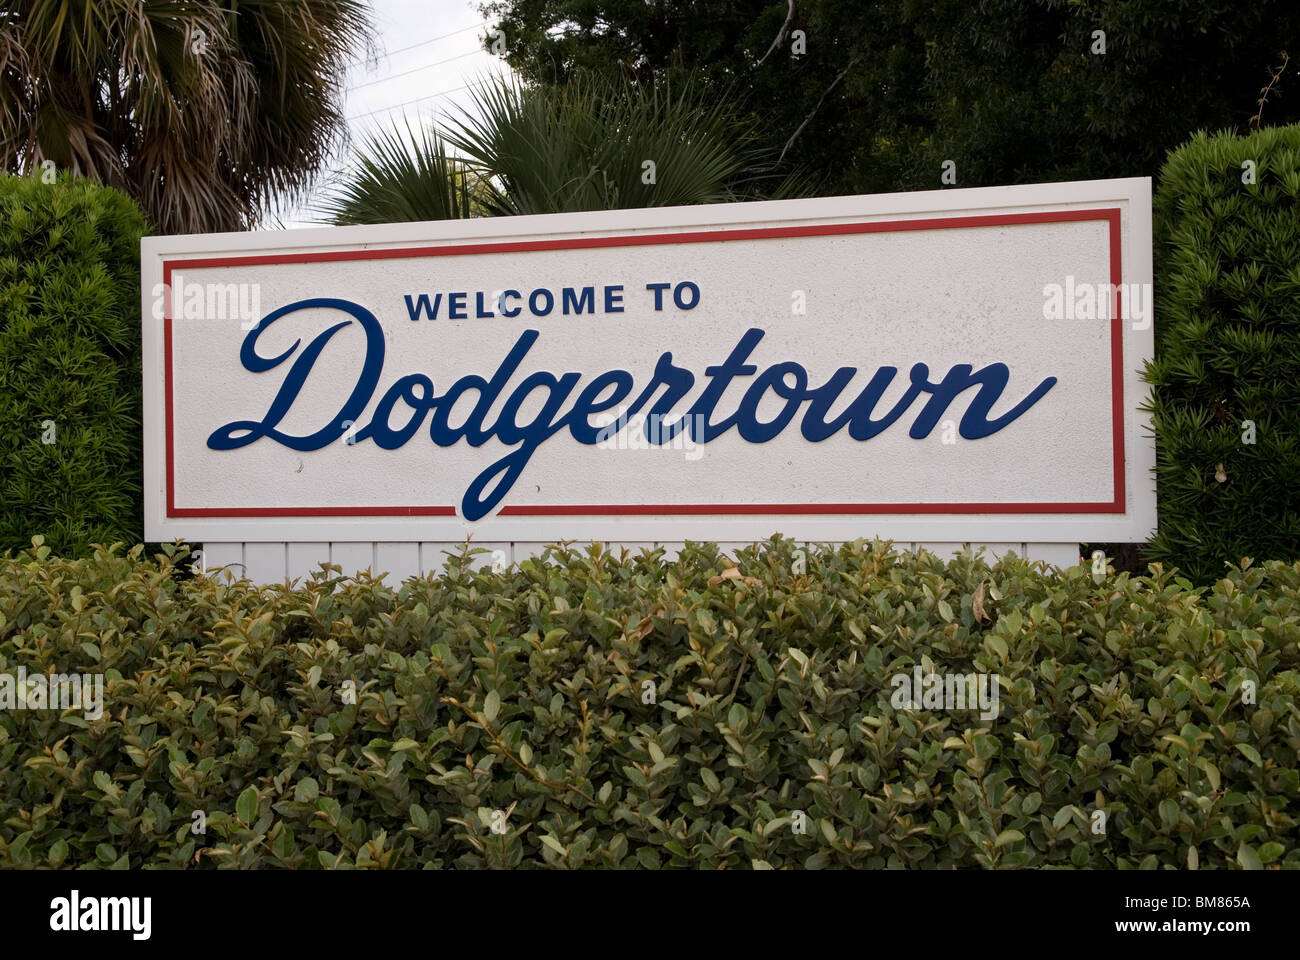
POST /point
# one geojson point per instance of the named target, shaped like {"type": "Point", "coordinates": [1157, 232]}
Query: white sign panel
{"type": "Point", "coordinates": [954, 365]}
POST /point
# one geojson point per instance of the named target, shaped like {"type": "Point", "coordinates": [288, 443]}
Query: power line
{"type": "Point", "coordinates": [398, 106]}
{"type": "Point", "coordinates": [425, 43]}
{"type": "Point", "coordinates": [437, 63]}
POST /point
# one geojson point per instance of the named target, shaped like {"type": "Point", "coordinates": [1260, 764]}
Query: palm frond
{"type": "Point", "coordinates": [207, 112]}
{"type": "Point", "coordinates": [597, 143]}
{"type": "Point", "coordinates": [401, 176]}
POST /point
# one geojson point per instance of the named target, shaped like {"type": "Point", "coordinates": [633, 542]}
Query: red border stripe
{"type": "Point", "coordinates": [1117, 361]}
{"type": "Point", "coordinates": [1110, 215]}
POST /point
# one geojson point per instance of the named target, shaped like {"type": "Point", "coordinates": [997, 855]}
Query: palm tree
{"type": "Point", "coordinates": [206, 112]}
{"type": "Point", "coordinates": [591, 143]}
{"type": "Point", "coordinates": [401, 176]}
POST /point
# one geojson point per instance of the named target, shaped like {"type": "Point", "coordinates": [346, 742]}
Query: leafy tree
{"type": "Point", "coordinates": [203, 111]}
{"type": "Point", "coordinates": [1021, 96]}
{"type": "Point", "coordinates": [885, 90]}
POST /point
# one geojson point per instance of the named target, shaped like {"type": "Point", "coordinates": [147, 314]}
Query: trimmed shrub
{"type": "Point", "coordinates": [70, 450]}
{"type": "Point", "coordinates": [582, 710]}
{"type": "Point", "coordinates": [1226, 402]}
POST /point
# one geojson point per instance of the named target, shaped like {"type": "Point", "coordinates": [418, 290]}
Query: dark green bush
{"type": "Point", "coordinates": [70, 450]}
{"type": "Point", "coordinates": [519, 698]}
{"type": "Point", "coordinates": [1228, 352]}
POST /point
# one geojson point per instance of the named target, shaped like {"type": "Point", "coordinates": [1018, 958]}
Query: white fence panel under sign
{"type": "Point", "coordinates": [276, 562]}
{"type": "Point", "coordinates": [935, 368]}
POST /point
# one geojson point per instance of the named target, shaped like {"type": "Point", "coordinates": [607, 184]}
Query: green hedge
{"type": "Point", "coordinates": [1228, 352]}
{"type": "Point", "coordinates": [520, 698]}
{"type": "Point", "coordinates": [70, 450]}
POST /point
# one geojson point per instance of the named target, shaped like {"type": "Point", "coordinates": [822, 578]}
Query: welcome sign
{"type": "Point", "coordinates": [951, 365]}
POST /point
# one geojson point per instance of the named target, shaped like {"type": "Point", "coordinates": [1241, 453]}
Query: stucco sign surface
{"type": "Point", "coordinates": [955, 365]}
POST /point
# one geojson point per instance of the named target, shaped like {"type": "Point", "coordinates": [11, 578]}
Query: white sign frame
{"type": "Point", "coordinates": [1125, 204]}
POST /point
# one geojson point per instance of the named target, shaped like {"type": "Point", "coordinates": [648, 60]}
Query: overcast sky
{"type": "Point", "coordinates": [429, 51]}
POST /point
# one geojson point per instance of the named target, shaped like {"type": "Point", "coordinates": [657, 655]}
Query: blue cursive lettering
{"type": "Point", "coordinates": [669, 386]}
